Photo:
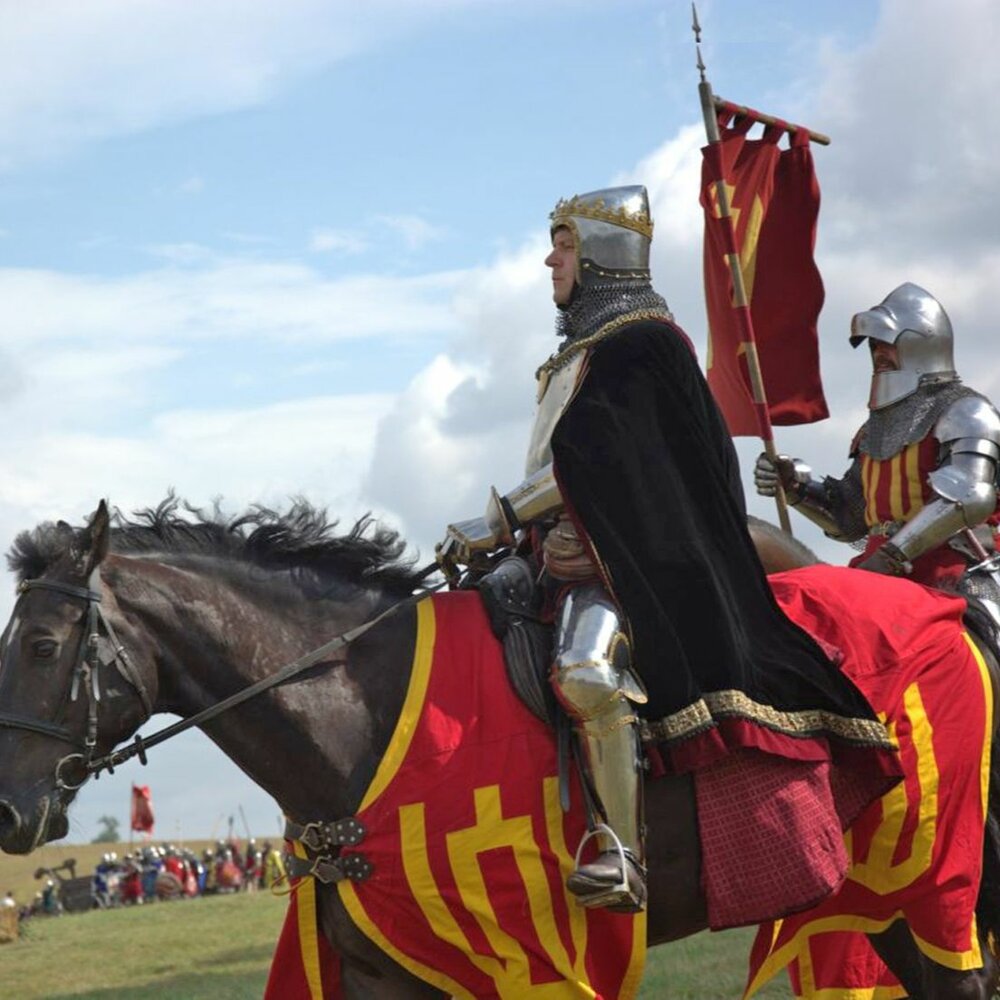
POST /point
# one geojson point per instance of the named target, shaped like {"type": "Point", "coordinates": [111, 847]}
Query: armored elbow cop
{"type": "Point", "coordinates": [965, 485]}
{"type": "Point", "coordinates": [535, 498]}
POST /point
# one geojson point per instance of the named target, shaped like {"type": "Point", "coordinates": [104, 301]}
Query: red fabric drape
{"type": "Point", "coordinates": [774, 200]}
{"type": "Point", "coordinates": [468, 844]}
{"type": "Point", "coordinates": [142, 809]}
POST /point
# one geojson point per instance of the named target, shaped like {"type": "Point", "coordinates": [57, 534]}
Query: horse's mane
{"type": "Point", "coordinates": [300, 540]}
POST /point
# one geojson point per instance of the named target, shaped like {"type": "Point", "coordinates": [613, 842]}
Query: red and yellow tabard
{"type": "Point", "coordinates": [895, 490]}
{"type": "Point", "coordinates": [917, 852]}
{"type": "Point", "coordinates": [469, 845]}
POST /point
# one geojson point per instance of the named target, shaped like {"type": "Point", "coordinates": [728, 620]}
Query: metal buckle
{"type": "Point", "coordinates": [326, 836]}
{"type": "Point", "coordinates": [354, 867]}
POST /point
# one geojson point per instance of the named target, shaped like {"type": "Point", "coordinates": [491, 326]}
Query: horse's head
{"type": "Point", "coordinates": [60, 666]}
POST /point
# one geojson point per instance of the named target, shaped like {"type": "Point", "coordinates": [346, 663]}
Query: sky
{"type": "Point", "coordinates": [251, 250]}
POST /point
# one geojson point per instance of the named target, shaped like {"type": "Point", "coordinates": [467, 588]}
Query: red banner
{"type": "Point", "coordinates": [142, 809]}
{"type": "Point", "coordinates": [774, 203]}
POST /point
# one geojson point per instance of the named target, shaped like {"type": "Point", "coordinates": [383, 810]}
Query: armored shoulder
{"type": "Point", "coordinates": [971, 424]}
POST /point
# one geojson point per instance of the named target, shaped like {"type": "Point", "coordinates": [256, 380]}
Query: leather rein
{"type": "Point", "coordinates": [86, 674]}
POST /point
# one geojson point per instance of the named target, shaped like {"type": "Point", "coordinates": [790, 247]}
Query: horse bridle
{"type": "Point", "coordinates": [86, 674]}
{"type": "Point", "coordinates": [88, 662]}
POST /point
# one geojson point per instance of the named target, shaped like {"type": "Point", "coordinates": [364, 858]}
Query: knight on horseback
{"type": "Point", "coordinates": [601, 283]}
{"type": "Point", "coordinates": [921, 491]}
{"type": "Point", "coordinates": [632, 483]}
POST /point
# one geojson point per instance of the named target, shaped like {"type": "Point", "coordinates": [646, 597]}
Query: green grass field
{"type": "Point", "coordinates": [219, 948]}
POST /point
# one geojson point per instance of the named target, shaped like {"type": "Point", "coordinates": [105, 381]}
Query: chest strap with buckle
{"type": "Point", "coordinates": [322, 842]}
{"type": "Point", "coordinates": [355, 867]}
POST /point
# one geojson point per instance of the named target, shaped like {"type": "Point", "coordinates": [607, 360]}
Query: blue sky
{"type": "Point", "coordinates": [250, 250]}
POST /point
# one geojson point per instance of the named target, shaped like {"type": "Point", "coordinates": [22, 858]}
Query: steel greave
{"type": "Point", "coordinates": [593, 682]}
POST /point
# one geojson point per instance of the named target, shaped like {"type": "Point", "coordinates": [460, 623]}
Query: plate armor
{"type": "Point", "coordinates": [591, 672]}
{"type": "Point", "coordinates": [923, 481]}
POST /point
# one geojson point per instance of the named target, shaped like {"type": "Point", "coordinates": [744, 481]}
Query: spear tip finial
{"type": "Point", "coordinates": [696, 28]}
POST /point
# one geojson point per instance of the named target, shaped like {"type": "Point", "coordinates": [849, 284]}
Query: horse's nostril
{"type": "Point", "coordinates": [10, 821]}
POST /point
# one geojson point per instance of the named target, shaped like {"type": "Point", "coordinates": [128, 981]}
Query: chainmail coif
{"type": "Point", "coordinates": [594, 305]}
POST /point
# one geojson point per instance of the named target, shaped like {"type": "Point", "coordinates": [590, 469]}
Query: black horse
{"type": "Point", "coordinates": [207, 607]}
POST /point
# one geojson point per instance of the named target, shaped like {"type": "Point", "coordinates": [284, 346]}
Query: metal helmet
{"type": "Point", "coordinates": [613, 231]}
{"type": "Point", "coordinates": [910, 318]}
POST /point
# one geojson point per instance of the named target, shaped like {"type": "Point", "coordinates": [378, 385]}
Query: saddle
{"type": "Point", "coordinates": [513, 600]}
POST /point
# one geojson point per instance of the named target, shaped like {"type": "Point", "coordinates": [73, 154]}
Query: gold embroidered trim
{"type": "Point", "coordinates": [702, 714]}
{"type": "Point", "coordinates": [638, 222]}
{"type": "Point", "coordinates": [574, 347]}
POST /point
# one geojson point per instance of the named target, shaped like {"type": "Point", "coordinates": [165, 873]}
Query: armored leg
{"type": "Point", "coordinates": [594, 684]}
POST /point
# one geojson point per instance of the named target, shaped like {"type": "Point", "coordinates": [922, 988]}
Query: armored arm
{"type": "Point", "coordinates": [836, 505]}
{"type": "Point", "coordinates": [535, 498]}
{"type": "Point", "coordinates": [964, 484]}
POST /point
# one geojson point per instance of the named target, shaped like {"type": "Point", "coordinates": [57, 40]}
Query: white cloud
{"type": "Point", "coordinates": [181, 254]}
{"type": "Point", "coordinates": [905, 116]}
{"type": "Point", "coordinates": [415, 231]}
{"type": "Point", "coordinates": [248, 239]}
{"type": "Point", "coordinates": [114, 67]}
{"type": "Point", "coordinates": [191, 185]}
{"type": "Point", "coordinates": [343, 241]}
{"type": "Point", "coordinates": [97, 241]}
{"type": "Point", "coordinates": [223, 298]}
{"type": "Point", "coordinates": [244, 456]}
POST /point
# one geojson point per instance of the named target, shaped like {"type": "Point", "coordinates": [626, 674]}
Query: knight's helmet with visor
{"type": "Point", "coordinates": [612, 229]}
{"type": "Point", "coordinates": [911, 319]}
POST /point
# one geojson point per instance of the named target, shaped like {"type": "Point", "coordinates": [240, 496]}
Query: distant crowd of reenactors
{"type": "Point", "coordinates": [153, 874]}
{"type": "Point", "coordinates": [168, 872]}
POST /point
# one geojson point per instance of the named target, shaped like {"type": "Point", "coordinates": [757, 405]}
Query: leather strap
{"type": "Point", "coordinates": [319, 836]}
{"type": "Point", "coordinates": [355, 867]}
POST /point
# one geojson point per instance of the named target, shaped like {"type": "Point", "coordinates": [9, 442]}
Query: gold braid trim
{"type": "Point", "coordinates": [700, 715]}
{"type": "Point", "coordinates": [575, 346]}
{"type": "Point", "coordinates": [638, 221]}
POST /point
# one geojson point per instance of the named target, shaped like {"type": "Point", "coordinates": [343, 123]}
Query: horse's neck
{"type": "Point", "coordinates": [300, 742]}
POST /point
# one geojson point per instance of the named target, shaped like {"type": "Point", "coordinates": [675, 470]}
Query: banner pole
{"type": "Point", "coordinates": [758, 117]}
{"type": "Point", "coordinates": [740, 304]}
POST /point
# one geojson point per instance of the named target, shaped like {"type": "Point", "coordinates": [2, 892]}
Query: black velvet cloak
{"type": "Point", "coordinates": [649, 471]}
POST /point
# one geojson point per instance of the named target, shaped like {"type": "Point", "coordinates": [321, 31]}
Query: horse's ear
{"type": "Point", "coordinates": [94, 541]}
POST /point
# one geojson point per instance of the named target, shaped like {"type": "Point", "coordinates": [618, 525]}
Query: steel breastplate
{"type": "Point", "coordinates": [555, 391]}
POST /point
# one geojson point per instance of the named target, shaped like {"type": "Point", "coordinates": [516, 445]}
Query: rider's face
{"type": "Point", "coordinates": [562, 260]}
{"type": "Point", "coordinates": [885, 357]}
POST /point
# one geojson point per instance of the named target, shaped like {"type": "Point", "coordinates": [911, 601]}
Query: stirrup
{"type": "Point", "coordinates": [615, 896]}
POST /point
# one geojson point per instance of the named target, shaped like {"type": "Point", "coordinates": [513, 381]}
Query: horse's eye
{"type": "Point", "coordinates": [45, 649]}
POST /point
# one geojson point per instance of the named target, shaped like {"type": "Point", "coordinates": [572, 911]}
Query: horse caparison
{"type": "Point", "coordinates": [206, 606]}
